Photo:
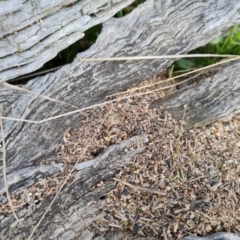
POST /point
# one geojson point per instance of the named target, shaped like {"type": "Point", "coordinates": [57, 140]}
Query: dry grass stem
{"type": "Point", "coordinates": [156, 57]}
{"type": "Point", "coordinates": [176, 77]}
{"type": "Point", "coordinates": [155, 168]}
{"type": "Point", "coordinates": [5, 175]}
{"type": "Point", "coordinates": [66, 179]}
{"type": "Point", "coordinates": [141, 188]}
{"type": "Point", "coordinates": [35, 94]}
{"type": "Point", "coordinates": [114, 100]}
{"type": "Point", "coordinates": [96, 105]}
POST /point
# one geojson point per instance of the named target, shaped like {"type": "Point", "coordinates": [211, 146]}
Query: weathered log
{"type": "Point", "coordinates": [78, 205]}
{"type": "Point", "coordinates": [155, 27]}
{"type": "Point", "coordinates": [32, 33]}
{"type": "Point", "coordinates": [84, 84]}
{"type": "Point", "coordinates": [217, 97]}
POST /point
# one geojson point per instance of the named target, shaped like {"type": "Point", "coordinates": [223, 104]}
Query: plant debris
{"type": "Point", "coordinates": [186, 182]}
{"type": "Point", "coordinates": [196, 171]}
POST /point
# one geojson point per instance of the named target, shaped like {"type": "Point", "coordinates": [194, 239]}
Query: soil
{"type": "Point", "coordinates": [187, 182]}
{"type": "Point", "coordinates": [197, 170]}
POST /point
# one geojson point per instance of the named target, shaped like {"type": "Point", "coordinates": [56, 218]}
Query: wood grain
{"type": "Point", "coordinates": [34, 32]}
{"type": "Point", "coordinates": [153, 28]}
{"type": "Point", "coordinates": [212, 98]}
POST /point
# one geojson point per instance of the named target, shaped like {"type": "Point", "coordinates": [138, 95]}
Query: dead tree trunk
{"type": "Point", "coordinates": [213, 98]}
{"type": "Point", "coordinates": [29, 39]}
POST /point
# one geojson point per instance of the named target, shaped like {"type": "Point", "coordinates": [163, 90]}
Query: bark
{"type": "Point", "coordinates": [33, 32]}
{"type": "Point", "coordinates": [78, 204]}
{"type": "Point", "coordinates": [214, 98]}
{"type": "Point", "coordinates": [216, 236]}
{"type": "Point", "coordinates": [154, 28]}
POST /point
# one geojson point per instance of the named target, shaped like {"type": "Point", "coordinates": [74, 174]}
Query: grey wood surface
{"type": "Point", "coordinates": [33, 32]}
{"type": "Point", "coordinates": [212, 98]}
{"type": "Point", "coordinates": [154, 28]}
{"type": "Point", "coordinates": [79, 203]}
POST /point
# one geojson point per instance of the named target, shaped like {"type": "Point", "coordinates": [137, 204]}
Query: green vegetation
{"type": "Point", "coordinates": [230, 44]}
{"type": "Point", "coordinates": [67, 55]}
{"type": "Point", "coordinates": [128, 9]}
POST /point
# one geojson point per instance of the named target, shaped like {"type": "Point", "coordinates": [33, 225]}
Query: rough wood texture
{"type": "Point", "coordinates": [78, 205]}
{"type": "Point", "coordinates": [217, 97]}
{"type": "Point", "coordinates": [151, 28]}
{"type": "Point", "coordinates": [216, 236]}
{"type": "Point", "coordinates": [33, 32]}
{"type": "Point", "coordinates": [154, 28]}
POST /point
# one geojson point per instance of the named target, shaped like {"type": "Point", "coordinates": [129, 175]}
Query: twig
{"type": "Point", "coordinates": [140, 188]}
{"type": "Point", "coordinates": [164, 234]}
{"type": "Point", "coordinates": [178, 141]}
{"type": "Point", "coordinates": [195, 179]}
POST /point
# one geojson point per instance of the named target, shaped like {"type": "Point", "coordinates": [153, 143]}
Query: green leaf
{"type": "Point", "coordinates": [185, 64]}
{"type": "Point", "coordinates": [217, 40]}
